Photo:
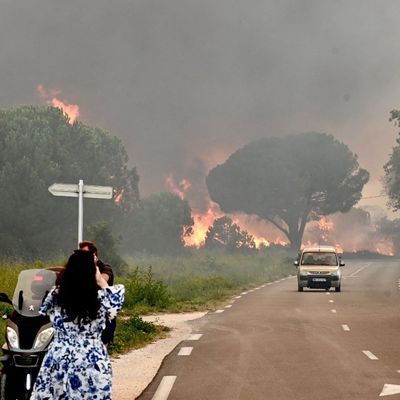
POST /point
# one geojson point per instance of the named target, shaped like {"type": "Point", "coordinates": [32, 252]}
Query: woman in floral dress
{"type": "Point", "coordinates": [77, 364]}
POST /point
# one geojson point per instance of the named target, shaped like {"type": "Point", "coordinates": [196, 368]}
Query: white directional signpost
{"type": "Point", "coordinates": [80, 190]}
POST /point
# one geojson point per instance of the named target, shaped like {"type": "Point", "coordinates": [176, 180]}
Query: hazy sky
{"type": "Point", "coordinates": [185, 82]}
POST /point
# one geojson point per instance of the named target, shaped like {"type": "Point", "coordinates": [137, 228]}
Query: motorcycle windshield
{"type": "Point", "coordinates": [32, 288]}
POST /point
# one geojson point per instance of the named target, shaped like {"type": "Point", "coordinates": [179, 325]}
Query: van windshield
{"type": "Point", "coordinates": [319, 258]}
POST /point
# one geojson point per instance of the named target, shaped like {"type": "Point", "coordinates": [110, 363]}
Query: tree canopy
{"type": "Point", "coordinates": [38, 147]}
{"type": "Point", "coordinates": [289, 180]}
{"type": "Point", "coordinates": [160, 225]}
{"type": "Point", "coordinates": [225, 234]}
{"type": "Point", "coordinates": [392, 168]}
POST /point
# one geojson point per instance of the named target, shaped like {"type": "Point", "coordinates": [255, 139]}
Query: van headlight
{"type": "Point", "coordinates": [43, 338]}
{"type": "Point", "coordinates": [12, 337]}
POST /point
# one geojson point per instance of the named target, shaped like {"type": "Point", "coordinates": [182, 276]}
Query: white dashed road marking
{"type": "Point", "coordinates": [228, 306]}
{"type": "Point", "coordinates": [389, 389]}
{"type": "Point", "coordinates": [164, 388]}
{"type": "Point", "coordinates": [195, 336]}
{"type": "Point", "coordinates": [331, 301]}
{"type": "Point", "coordinates": [370, 355]}
{"type": "Point", "coordinates": [345, 327]}
{"type": "Point", "coordinates": [333, 311]}
{"type": "Point", "coordinates": [185, 351]}
{"type": "Point", "coordinates": [219, 311]}
{"type": "Point", "coordinates": [353, 275]}
{"type": "Point", "coordinates": [238, 297]}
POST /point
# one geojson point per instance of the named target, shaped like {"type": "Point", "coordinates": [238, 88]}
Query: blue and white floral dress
{"type": "Point", "coordinates": [77, 365]}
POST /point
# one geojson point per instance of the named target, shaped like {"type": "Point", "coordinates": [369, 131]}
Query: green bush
{"type": "Point", "coordinates": [133, 333]}
{"type": "Point", "coordinates": [141, 288]}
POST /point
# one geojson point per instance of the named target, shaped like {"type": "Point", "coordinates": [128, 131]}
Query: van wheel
{"type": "Point", "coordinates": [300, 288]}
{"type": "Point", "coordinates": [338, 289]}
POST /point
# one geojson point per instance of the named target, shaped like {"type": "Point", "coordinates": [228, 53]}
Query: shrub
{"type": "Point", "coordinates": [142, 288]}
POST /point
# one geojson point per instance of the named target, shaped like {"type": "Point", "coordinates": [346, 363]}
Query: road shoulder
{"type": "Point", "coordinates": [132, 372]}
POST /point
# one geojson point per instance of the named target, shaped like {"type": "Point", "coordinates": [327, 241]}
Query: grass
{"type": "Point", "coordinates": [133, 333]}
{"type": "Point", "coordinates": [199, 281]}
{"type": "Point", "coordinates": [196, 281]}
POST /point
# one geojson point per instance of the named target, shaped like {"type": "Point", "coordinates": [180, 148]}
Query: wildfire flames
{"type": "Point", "coordinates": [338, 229]}
{"type": "Point", "coordinates": [203, 220]}
{"type": "Point", "coordinates": [50, 96]}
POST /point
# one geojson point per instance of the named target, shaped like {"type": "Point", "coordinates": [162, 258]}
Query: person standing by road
{"type": "Point", "coordinates": [77, 365]}
{"type": "Point", "coordinates": [108, 274]}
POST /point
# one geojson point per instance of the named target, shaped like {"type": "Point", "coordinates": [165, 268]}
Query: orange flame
{"type": "Point", "coordinates": [71, 110]}
{"type": "Point", "coordinates": [118, 196]}
{"type": "Point", "coordinates": [180, 189]}
{"type": "Point", "coordinates": [201, 224]}
{"type": "Point", "coordinates": [203, 220]}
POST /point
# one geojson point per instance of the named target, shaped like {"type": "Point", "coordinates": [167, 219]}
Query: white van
{"type": "Point", "coordinates": [319, 267]}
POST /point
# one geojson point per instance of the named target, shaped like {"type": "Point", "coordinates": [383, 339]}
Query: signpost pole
{"type": "Point", "coordinates": [80, 211]}
{"type": "Point", "coordinates": [80, 190]}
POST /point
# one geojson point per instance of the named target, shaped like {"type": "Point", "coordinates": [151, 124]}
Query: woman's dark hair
{"type": "Point", "coordinates": [77, 288]}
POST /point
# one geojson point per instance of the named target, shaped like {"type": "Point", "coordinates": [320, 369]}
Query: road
{"type": "Point", "coordinates": [276, 343]}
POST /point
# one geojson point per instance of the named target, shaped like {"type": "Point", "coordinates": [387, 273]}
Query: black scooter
{"type": "Point", "coordinates": [28, 334]}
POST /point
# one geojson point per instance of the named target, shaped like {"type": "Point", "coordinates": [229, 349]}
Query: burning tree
{"type": "Point", "coordinates": [225, 234]}
{"type": "Point", "coordinates": [288, 181]}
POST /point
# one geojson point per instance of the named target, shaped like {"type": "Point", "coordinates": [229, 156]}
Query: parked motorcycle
{"type": "Point", "coordinates": [28, 334]}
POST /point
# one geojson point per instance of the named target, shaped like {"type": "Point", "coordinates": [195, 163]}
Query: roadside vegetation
{"type": "Point", "coordinates": [197, 281]}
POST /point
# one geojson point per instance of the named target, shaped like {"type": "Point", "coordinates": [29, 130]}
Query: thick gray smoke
{"type": "Point", "coordinates": [180, 80]}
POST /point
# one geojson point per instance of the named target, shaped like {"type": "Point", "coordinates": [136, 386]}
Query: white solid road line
{"type": "Point", "coordinates": [185, 351]}
{"type": "Point", "coordinates": [345, 327]}
{"type": "Point", "coordinates": [370, 355]}
{"type": "Point", "coordinates": [195, 336]}
{"type": "Point", "coordinates": [164, 388]}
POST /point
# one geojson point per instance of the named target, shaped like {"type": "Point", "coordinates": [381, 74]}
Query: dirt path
{"type": "Point", "coordinates": [132, 372]}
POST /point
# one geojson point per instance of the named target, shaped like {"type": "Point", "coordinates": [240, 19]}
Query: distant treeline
{"type": "Point", "coordinates": [285, 181]}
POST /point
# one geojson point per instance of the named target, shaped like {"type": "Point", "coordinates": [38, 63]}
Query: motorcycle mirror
{"type": "Point", "coordinates": [4, 298]}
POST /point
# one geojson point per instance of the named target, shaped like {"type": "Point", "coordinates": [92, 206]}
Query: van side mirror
{"type": "Point", "coordinates": [341, 264]}
{"type": "Point", "coordinates": [4, 298]}
{"type": "Point", "coordinates": [296, 263]}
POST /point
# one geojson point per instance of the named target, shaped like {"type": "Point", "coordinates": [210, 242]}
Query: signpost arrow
{"type": "Point", "coordinates": [89, 191]}
{"type": "Point", "coordinates": [80, 190]}
{"type": "Point", "coordinates": [389, 389]}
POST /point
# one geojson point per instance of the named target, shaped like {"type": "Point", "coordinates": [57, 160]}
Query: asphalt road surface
{"type": "Point", "coordinates": [277, 343]}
